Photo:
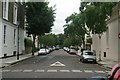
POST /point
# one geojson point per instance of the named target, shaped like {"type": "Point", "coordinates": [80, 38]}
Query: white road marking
{"type": "Point", "coordinates": [64, 71]}
{"type": "Point", "coordinates": [107, 71]}
{"type": "Point", "coordinates": [88, 71]}
{"type": "Point", "coordinates": [5, 70]}
{"type": "Point", "coordinates": [99, 71]}
{"type": "Point", "coordinates": [16, 70]}
{"type": "Point", "coordinates": [27, 70]}
{"type": "Point", "coordinates": [39, 70]}
{"type": "Point", "coordinates": [51, 70]}
{"type": "Point", "coordinates": [76, 71]}
{"type": "Point", "coordinates": [57, 64]}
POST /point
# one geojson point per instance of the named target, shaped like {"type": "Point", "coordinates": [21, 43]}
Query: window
{"type": "Point", "coordinates": [5, 9]}
{"type": "Point", "coordinates": [16, 0]}
{"type": "Point", "coordinates": [15, 14]}
{"type": "Point", "coordinates": [14, 36]}
{"type": "Point", "coordinates": [88, 53]}
{"type": "Point", "coordinates": [104, 54]}
{"type": "Point", "coordinates": [4, 36]}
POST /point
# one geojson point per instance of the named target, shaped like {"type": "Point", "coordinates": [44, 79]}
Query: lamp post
{"type": "Point", "coordinates": [119, 31]}
{"type": "Point", "coordinates": [18, 41]}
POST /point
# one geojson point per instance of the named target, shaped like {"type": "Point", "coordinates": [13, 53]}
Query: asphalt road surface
{"type": "Point", "coordinates": [57, 64]}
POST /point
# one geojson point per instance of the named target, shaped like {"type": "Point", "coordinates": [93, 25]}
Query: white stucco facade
{"type": "Point", "coordinates": [9, 47]}
{"type": "Point", "coordinates": [0, 37]}
{"type": "Point", "coordinates": [109, 44]}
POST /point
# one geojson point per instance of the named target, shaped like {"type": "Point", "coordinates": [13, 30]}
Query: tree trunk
{"type": "Point", "coordinates": [83, 42]}
{"type": "Point", "coordinates": [38, 42]}
{"type": "Point", "coordinates": [33, 46]}
{"type": "Point", "coordinates": [99, 47]}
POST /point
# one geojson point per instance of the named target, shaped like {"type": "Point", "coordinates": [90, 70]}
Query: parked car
{"type": "Point", "coordinates": [115, 72]}
{"type": "Point", "coordinates": [88, 56]}
{"type": "Point", "coordinates": [57, 48]}
{"type": "Point", "coordinates": [43, 51]}
{"type": "Point", "coordinates": [72, 51]}
{"type": "Point", "coordinates": [51, 49]}
{"type": "Point", "coordinates": [66, 49]}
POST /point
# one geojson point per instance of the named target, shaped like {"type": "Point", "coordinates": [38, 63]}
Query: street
{"type": "Point", "coordinates": [57, 64]}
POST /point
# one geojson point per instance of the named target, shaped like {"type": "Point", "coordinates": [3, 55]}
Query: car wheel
{"type": "Point", "coordinates": [82, 60]}
{"type": "Point", "coordinates": [95, 62]}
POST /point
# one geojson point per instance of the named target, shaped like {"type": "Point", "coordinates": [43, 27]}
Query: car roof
{"type": "Point", "coordinates": [87, 51]}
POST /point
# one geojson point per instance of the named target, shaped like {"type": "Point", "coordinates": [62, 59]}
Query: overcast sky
{"type": "Point", "coordinates": [64, 8]}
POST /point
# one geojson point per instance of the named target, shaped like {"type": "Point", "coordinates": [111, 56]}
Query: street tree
{"type": "Point", "coordinates": [39, 19]}
{"type": "Point", "coordinates": [76, 26]}
{"type": "Point", "coordinates": [47, 40]}
{"type": "Point", "coordinates": [96, 16]}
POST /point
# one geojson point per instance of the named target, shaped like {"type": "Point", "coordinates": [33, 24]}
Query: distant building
{"type": "Point", "coordinates": [11, 13]}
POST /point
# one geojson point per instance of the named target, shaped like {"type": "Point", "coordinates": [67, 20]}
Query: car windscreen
{"type": "Point", "coordinates": [89, 53]}
{"type": "Point", "coordinates": [42, 49]}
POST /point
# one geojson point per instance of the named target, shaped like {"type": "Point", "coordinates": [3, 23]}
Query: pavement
{"type": "Point", "coordinates": [107, 63]}
{"type": "Point", "coordinates": [12, 60]}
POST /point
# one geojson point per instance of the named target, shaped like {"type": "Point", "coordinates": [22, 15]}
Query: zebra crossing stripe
{"type": "Point", "coordinates": [16, 70]}
{"type": "Point", "coordinates": [5, 70]}
{"type": "Point", "coordinates": [88, 71]}
{"type": "Point", "coordinates": [76, 71]}
{"type": "Point", "coordinates": [51, 70]}
{"type": "Point", "coordinates": [27, 70]}
{"type": "Point", "coordinates": [64, 71]}
{"type": "Point", "coordinates": [107, 71]}
{"type": "Point", "coordinates": [40, 70]}
{"type": "Point", "coordinates": [99, 71]}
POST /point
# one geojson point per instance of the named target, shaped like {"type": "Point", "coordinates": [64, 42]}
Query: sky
{"type": "Point", "coordinates": [64, 8]}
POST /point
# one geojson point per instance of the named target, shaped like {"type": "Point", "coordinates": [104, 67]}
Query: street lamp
{"type": "Point", "coordinates": [18, 41]}
{"type": "Point", "coordinates": [118, 30]}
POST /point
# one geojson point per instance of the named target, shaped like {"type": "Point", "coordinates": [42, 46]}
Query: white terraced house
{"type": "Point", "coordinates": [109, 45]}
{"type": "Point", "coordinates": [11, 13]}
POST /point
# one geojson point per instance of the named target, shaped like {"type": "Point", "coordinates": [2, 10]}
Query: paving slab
{"type": "Point", "coordinates": [12, 60]}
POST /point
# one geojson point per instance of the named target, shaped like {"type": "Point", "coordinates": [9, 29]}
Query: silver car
{"type": "Point", "coordinates": [88, 56]}
{"type": "Point", "coordinates": [42, 51]}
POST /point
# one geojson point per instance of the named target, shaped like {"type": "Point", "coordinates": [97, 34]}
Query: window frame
{"type": "Point", "coordinates": [5, 9]}
{"type": "Point", "coordinates": [15, 13]}
{"type": "Point", "coordinates": [4, 33]}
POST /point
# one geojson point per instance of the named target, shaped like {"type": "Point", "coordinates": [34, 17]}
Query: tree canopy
{"type": "Point", "coordinates": [39, 19]}
{"type": "Point", "coordinates": [96, 15]}
{"type": "Point", "coordinates": [93, 18]}
{"type": "Point", "coordinates": [75, 26]}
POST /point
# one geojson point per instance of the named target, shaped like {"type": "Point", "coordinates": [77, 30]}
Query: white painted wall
{"type": "Point", "coordinates": [95, 46]}
{"type": "Point", "coordinates": [9, 47]}
{"type": "Point", "coordinates": [0, 38]}
{"type": "Point", "coordinates": [103, 46]}
{"type": "Point", "coordinates": [109, 40]}
{"type": "Point", "coordinates": [113, 40]}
